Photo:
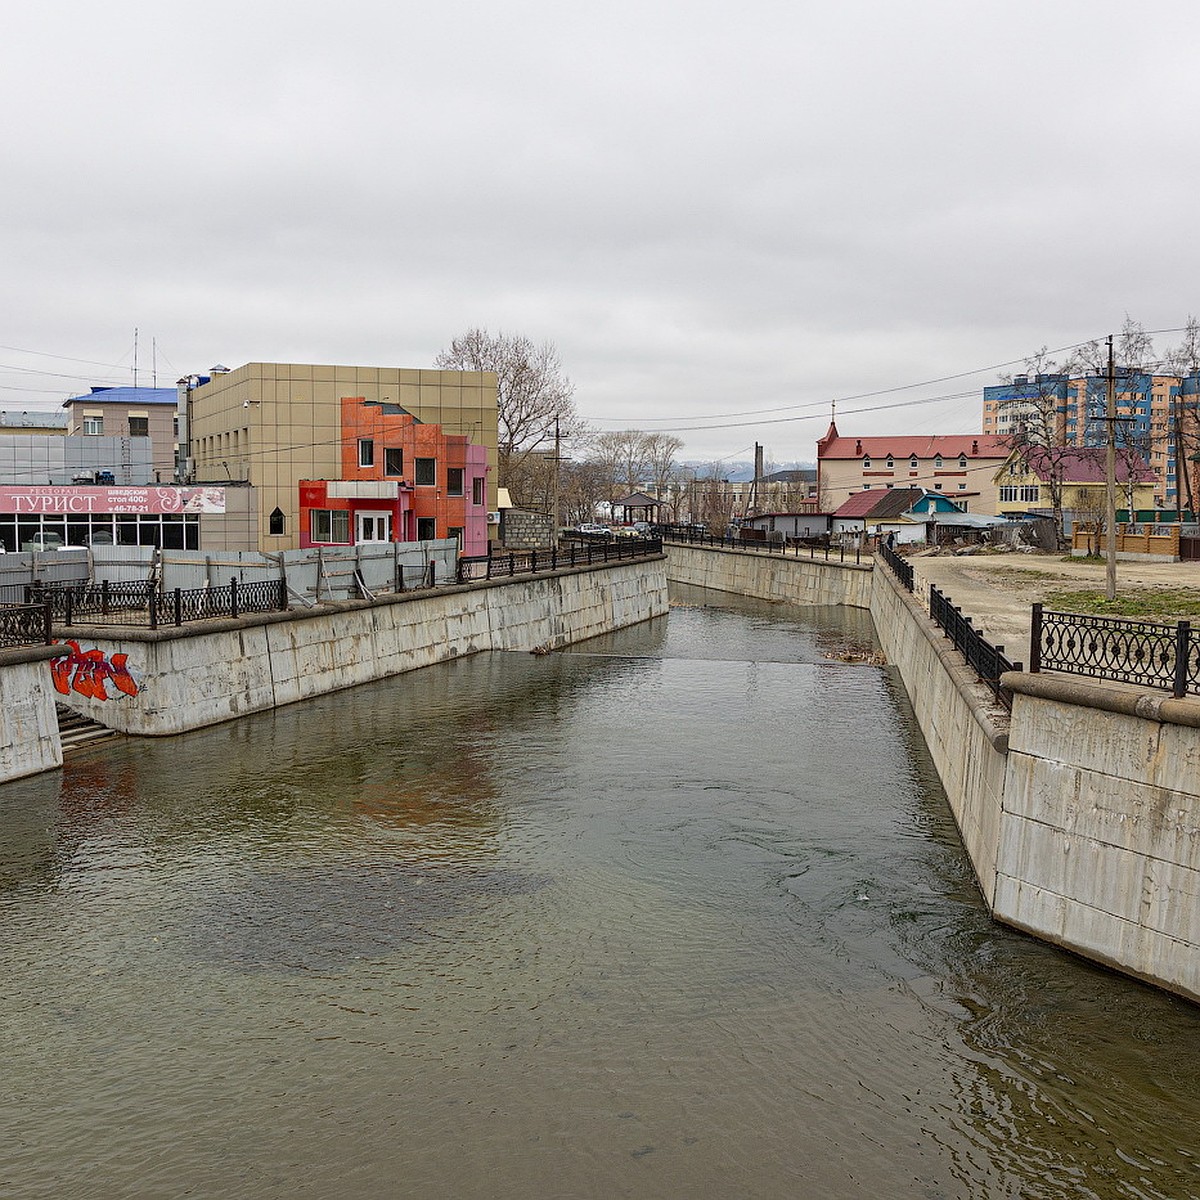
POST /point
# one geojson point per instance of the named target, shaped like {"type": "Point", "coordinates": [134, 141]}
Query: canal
{"type": "Point", "coordinates": [681, 912]}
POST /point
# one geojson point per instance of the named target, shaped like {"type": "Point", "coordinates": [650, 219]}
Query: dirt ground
{"type": "Point", "coordinates": [997, 591]}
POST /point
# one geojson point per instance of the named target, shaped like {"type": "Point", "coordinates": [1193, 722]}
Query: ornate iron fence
{"type": "Point", "coordinates": [902, 570]}
{"type": "Point", "coordinates": [1149, 653]}
{"type": "Point", "coordinates": [987, 661]}
{"type": "Point", "coordinates": [25, 625]}
{"type": "Point", "coordinates": [526, 562]}
{"type": "Point", "coordinates": [818, 548]}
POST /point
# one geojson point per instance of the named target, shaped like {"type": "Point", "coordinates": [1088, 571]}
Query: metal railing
{"type": "Point", "coordinates": [527, 562]}
{"type": "Point", "coordinates": [25, 625]}
{"type": "Point", "coordinates": [813, 548]}
{"type": "Point", "coordinates": [140, 604]}
{"type": "Point", "coordinates": [987, 661]}
{"type": "Point", "coordinates": [1149, 653]}
{"type": "Point", "coordinates": [902, 569]}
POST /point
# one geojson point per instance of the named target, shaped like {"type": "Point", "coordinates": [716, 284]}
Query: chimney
{"type": "Point", "coordinates": [858, 447]}
{"type": "Point", "coordinates": [975, 446]}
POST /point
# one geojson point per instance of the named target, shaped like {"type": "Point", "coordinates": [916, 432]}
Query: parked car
{"type": "Point", "coordinates": [593, 530]}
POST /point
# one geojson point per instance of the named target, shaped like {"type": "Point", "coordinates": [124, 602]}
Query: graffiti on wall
{"type": "Point", "coordinates": [89, 672]}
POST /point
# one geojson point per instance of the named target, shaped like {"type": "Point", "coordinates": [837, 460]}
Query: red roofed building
{"type": "Point", "coordinates": [963, 466]}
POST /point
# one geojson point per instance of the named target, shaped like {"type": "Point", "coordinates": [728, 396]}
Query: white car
{"type": "Point", "coordinates": [594, 530]}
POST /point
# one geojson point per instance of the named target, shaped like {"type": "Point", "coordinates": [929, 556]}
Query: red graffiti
{"type": "Point", "coordinates": [88, 671]}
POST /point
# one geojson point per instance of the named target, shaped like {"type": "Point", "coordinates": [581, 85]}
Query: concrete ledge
{"type": "Point", "coordinates": [1126, 699]}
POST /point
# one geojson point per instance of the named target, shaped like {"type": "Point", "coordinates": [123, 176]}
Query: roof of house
{"type": "Point", "coordinates": [1086, 465]}
{"type": "Point", "coordinates": [973, 445]}
{"type": "Point", "coordinates": [638, 500]}
{"type": "Point", "coordinates": [890, 502]}
{"type": "Point", "coordinates": [126, 395]}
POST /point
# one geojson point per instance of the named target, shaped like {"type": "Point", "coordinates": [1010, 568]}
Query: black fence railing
{"type": "Point", "coordinates": [902, 569]}
{"type": "Point", "coordinates": [140, 604]}
{"type": "Point", "coordinates": [25, 625]}
{"type": "Point", "coordinates": [987, 661]}
{"type": "Point", "coordinates": [1149, 653]}
{"type": "Point", "coordinates": [812, 548]}
{"type": "Point", "coordinates": [579, 554]}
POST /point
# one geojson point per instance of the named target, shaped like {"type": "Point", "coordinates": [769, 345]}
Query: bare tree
{"type": "Point", "coordinates": [532, 395]}
{"type": "Point", "coordinates": [1038, 431]}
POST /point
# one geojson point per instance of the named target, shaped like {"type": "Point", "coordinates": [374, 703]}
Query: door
{"type": "Point", "coordinates": [372, 527]}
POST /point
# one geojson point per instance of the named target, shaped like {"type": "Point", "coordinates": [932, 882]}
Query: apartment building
{"type": "Point", "coordinates": [1158, 416]}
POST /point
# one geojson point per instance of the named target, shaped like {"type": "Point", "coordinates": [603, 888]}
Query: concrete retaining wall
{"type": "Point", "coordinates": [792, 579]}
{"type": "Point", "coordinates": [168, 681]}
{"type": "Point", "coordinates": [966, 735]}
{"type": "Point", "coordinates": [1100, 833]}
{"type": "Point", "coordinates": [29, 740]}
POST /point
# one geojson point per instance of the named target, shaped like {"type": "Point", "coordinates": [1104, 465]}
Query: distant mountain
{"type": "Point", "coordinates": [743, 472]}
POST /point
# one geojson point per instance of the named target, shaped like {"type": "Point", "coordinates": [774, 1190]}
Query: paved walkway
{"type": "Point", "coordinates": [997, 591]}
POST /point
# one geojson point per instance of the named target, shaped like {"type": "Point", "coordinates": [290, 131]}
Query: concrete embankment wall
{"type": "Point", "coordinates": [168, 681]}
{"type": "Point", "coordinates": [1081, 815]}
{"type": "Point", "coordinates": [29, 740]}
{"type": "Point", "coordinates": [966, 736]}
{"type": "Point", "coordinates": [789, 578]}
{"type": "Point", "coordinates": [1100, 834]}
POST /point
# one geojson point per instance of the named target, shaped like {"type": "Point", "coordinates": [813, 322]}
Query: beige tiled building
{"type": "Point", "coordinates": [270, 425]}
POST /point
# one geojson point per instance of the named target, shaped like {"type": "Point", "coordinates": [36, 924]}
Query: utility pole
{"type": "Point", "coordinates": [554, 514]}
{"type": "Point", "coordinates": [1110, 407]}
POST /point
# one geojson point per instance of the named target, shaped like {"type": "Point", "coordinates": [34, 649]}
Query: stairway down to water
{"type": "Point", "coordinates": [78, 731]}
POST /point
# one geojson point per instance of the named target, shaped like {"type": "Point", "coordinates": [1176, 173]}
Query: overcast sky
{"type": "Point", "coordinates": [711, 210]}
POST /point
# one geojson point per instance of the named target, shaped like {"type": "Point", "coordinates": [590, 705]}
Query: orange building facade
{"type": "Point", "coordinates": [402, 480]}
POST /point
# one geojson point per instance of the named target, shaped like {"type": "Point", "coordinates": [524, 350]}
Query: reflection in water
{"type": "Point", "coordinates": [679, 912]}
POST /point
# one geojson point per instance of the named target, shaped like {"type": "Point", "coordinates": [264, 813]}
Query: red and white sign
{"type": "Point", "coordinates": [80, 501]}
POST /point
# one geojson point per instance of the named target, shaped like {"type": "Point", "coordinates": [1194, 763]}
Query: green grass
{"type": "Point", "coordinates": [1148, 604]}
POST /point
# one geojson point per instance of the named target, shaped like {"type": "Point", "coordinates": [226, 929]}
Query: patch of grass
{"type": "Point", "coordinates": [1148, 604]}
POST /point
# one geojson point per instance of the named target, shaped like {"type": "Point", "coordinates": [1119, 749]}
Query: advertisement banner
{"type": "Point", "coordinates": [80, 501]}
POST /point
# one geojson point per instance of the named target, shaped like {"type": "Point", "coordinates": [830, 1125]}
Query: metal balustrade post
{"type": "Point", "coordinates": [178, 607]}
{"type": "Point", "coordinates": [47, 623]}
{"type": "Point", "coordinates": [153, 607]}
{"type": "Point", "coordinates": [233, 597]}
{"type": "Point", "coordinates": [1035, 639]}
{"type": "Point", "coordinates": [68, 607]}
{"type": "Point", "coordinates": [1183, 642]}
{"type": "Point", "coordinates": [103, 597]}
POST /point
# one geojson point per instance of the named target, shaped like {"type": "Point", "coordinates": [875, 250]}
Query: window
{"type": "Point", "coordinates": [426, 472]}
{"type": "Point", "coordinates": [891, 462]}
{"type": "Point", "coordinates": [866, 464]}
{"type": "Point", "coordinates": [139, 426]}
{"type": "Point", "coordinates": [426, 526]}
{"type": "Point", "coordinates": [962, 487]}
{"type": "Point", "coordinates": [912, 462]}
{"type": "Point", "coordinates": [937, 462]}
{"type": "Point", "coordinates": [866, 487]}
{"type": "Point", "coordinates": [454, 481]}
{"type": "Point", "coordinates": [962, 460]}
{"type": "Point", "coordinates": [393, 461]}
{"type": "Point", "coordinates": [478, 495]}
{"type": "Point", "coordinates": [366, 452]}
{"type": "Point", "coordinates": [329, 525]}
{"type": "Point", "coordinates": [937, 487]}
{"type": "Point", "coordinates": [1030, 494]}
{"type": "Point", "coordinates": [275, 525]}
{"type": "Point", "coordinates": [1008, 494]}
{"type": "Point", "coordinates": [93, 425]}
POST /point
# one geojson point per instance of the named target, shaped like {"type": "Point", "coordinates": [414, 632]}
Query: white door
{"type": "Point", "coordinates": [373, 527]}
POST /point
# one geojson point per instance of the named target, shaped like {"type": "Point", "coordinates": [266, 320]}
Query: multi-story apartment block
{"type": "Point", "coordinates": [1158, 417]}
{"type": "Point", "coordinates": [130, 412]}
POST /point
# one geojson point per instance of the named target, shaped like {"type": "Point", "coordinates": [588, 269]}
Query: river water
{"type": "Point", "coordinates": [679, 913]}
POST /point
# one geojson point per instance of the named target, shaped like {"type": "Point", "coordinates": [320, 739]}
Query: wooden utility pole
{"type": "Point", "coordinates": [1110, 407]}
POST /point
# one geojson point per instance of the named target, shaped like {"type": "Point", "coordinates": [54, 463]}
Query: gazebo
{"type": "Point", "coordinates": [638, 502]}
